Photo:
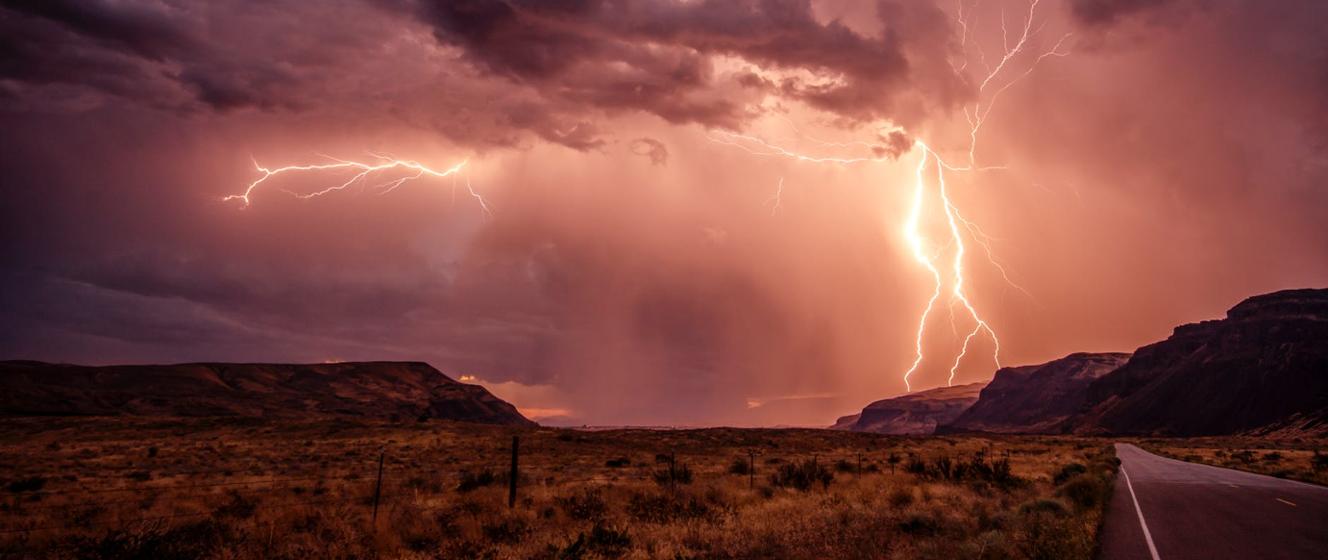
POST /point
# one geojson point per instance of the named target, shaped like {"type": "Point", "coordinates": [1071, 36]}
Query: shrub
{"type": "Point", "coordinates": [901, 497]}
{"type": "Point", "coordinates": [1046, 532]}
{"type": "Point", "coordinates": [617, 463]}
{"type": "Point", "coordinates": [603, 541]}
{"type": "Point", "coordinates": [508, 530]}
{"type": "Point", "coordinates": [740, 465]}
{"type": "Point", "coordinates": [1045, 506]}
{"type": "Point", "coordinates": [587, 505]}
{"type": "Point", "coordinates": [1067, 472]}
{"type": "Point", "coordinates": [920, 525]}
{"type": "Point", "coordinates": [666, 507]}
{"type": "Point", "coordinates": [977, 469]}
{"type": "Point", "coordinates": [802, 475]}
{"type": "Point", "coordinates": [608, 541]}
{"type": "Point", "coordinates": [673, 474]}
{"type": "Point", "coordinates": [893, 460]}
{"type": "Point", "coordinates": [1319, 461]}
{"type": "Point", "coordinates": [916, 466]}
{"type": "Point", "coordinates": [475, 480]}
{"type": "Point", "coordinates": [31, 484]}
{"type": "Point", "coordinates": [1085, 491]}
{"type": "Point", "coordinates": [238, 507]}
{"type": "Point", "coordinates": [191, 540]}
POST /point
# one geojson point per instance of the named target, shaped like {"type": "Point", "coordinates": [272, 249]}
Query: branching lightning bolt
{"type": "Point", "coordinates": [776, 200]}
{"type": "Point", "coordinates": [363, 171]}
{"type": "Point", "coordinates": [990, 86]}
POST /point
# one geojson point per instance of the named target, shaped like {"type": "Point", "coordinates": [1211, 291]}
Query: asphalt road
{"type": "Point", "coordinates": [1164, 509]}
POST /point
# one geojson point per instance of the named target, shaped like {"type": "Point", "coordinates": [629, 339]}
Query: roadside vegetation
{"type": "Point", "coordinates": [116, 488]}
{"type": "Point", "coordinates": [1303, 459]}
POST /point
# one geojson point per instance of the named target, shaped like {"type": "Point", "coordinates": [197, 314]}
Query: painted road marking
{"type": "Point", "coordinates": [1144, 524]}
{"type": "Point", "coordinates": [1292, 504]}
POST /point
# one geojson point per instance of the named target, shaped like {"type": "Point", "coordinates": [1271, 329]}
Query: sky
{"type": "Point", "coordinates": [664, 212]}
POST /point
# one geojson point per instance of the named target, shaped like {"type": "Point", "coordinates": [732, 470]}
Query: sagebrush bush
{"type": "Point", "coordinates": [1068, 471]}
{"type": "Point", "coordinates": [472, 480]}
{"type": "Point", "coordinates": [802, 475]}
{"type": "Point", "coordinates": [740, 465]}
{"type": "Point", "coordinates": [585, 505]}
{"type": "Point", "coordinates": [673, 474]}
{"type": "Point", "coordinates": [1086, 491]}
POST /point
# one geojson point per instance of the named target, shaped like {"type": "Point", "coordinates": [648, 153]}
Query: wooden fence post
{"type": "Point", "coordinates": [378, 489]}
{"type": "Point", "coordinates": [511, 482]}
{"type": "Point", "coordinates": [751, 469]}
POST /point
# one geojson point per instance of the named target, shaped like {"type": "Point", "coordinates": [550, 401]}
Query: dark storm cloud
{"type": "Point", "coordinates": [176, 56]}
{"type": "Point", "coordinates": [659, 57]}
{"type": "Point", "coordinates": [573, 62]}
{"type": "Point", "coordinates": [1105, 12]}
{"type": "Point", "coordinates": [150, 30]}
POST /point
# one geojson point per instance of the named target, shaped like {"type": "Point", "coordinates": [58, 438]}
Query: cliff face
{"type": "Point", "coordinates": [406, 390]}
{"type": "Point", "coordinates": [1035, 399]}
{"type": "Point", "coordinates": [912, 414]}
{"type": "Point", "coordinates": [1262, 369]}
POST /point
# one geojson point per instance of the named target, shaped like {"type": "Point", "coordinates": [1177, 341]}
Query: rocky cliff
{"type": "Point", "coordinates": [1035, 399]}
{"type": "Point", "coordinates": [914, 413]}
{"type": "Point", "coordinates": [1262, 369]}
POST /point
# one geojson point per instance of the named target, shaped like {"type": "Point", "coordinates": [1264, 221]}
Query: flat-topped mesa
{"type": "Point", "coordinates": [1264, 368]}
{"type": "Point", "coordinates": [1308, 303]}
{"type": "Point", "coordinates": [401, 390]}
{"type": "Point", "coordinates": [1037, 398]}
{"type": "Point", "coordinates": [912, 414]}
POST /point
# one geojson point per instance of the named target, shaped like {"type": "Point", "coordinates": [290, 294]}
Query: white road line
{"type": "Point", "coordinates": [1292, 504]}
{"type": "Point", "coordinates": [1147, 536]}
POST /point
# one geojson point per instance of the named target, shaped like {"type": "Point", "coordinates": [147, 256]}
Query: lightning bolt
{"type": "Point", "coordinates": [363, 171]}
{"type": "Point", "coordinates": [776, 200]}
{"type": "Point", "coordinates": [990, 86]}
{"type": "Point", "coordinates": [913, 234]}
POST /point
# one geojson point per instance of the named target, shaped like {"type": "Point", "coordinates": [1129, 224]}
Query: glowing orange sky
{"type": "Point", "coordinates": [632, 269]}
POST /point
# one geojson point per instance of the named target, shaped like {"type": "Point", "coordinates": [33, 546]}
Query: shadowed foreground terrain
{"type": "Point", "coordinates": [252, 488]}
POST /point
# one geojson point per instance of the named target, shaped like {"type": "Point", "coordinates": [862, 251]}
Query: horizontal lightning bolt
{"type": "Point", "coordinates": [362, 172]}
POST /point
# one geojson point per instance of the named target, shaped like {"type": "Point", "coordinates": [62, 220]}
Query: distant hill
{"type": "Point", "coordinates": [912, 414]}
{"type": "Point", "coordinates": [403, 390]}
{"type": "Point", "coordinates": [1263, 369]}
{"type": "Point", "coordinates": [1035, 399]}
